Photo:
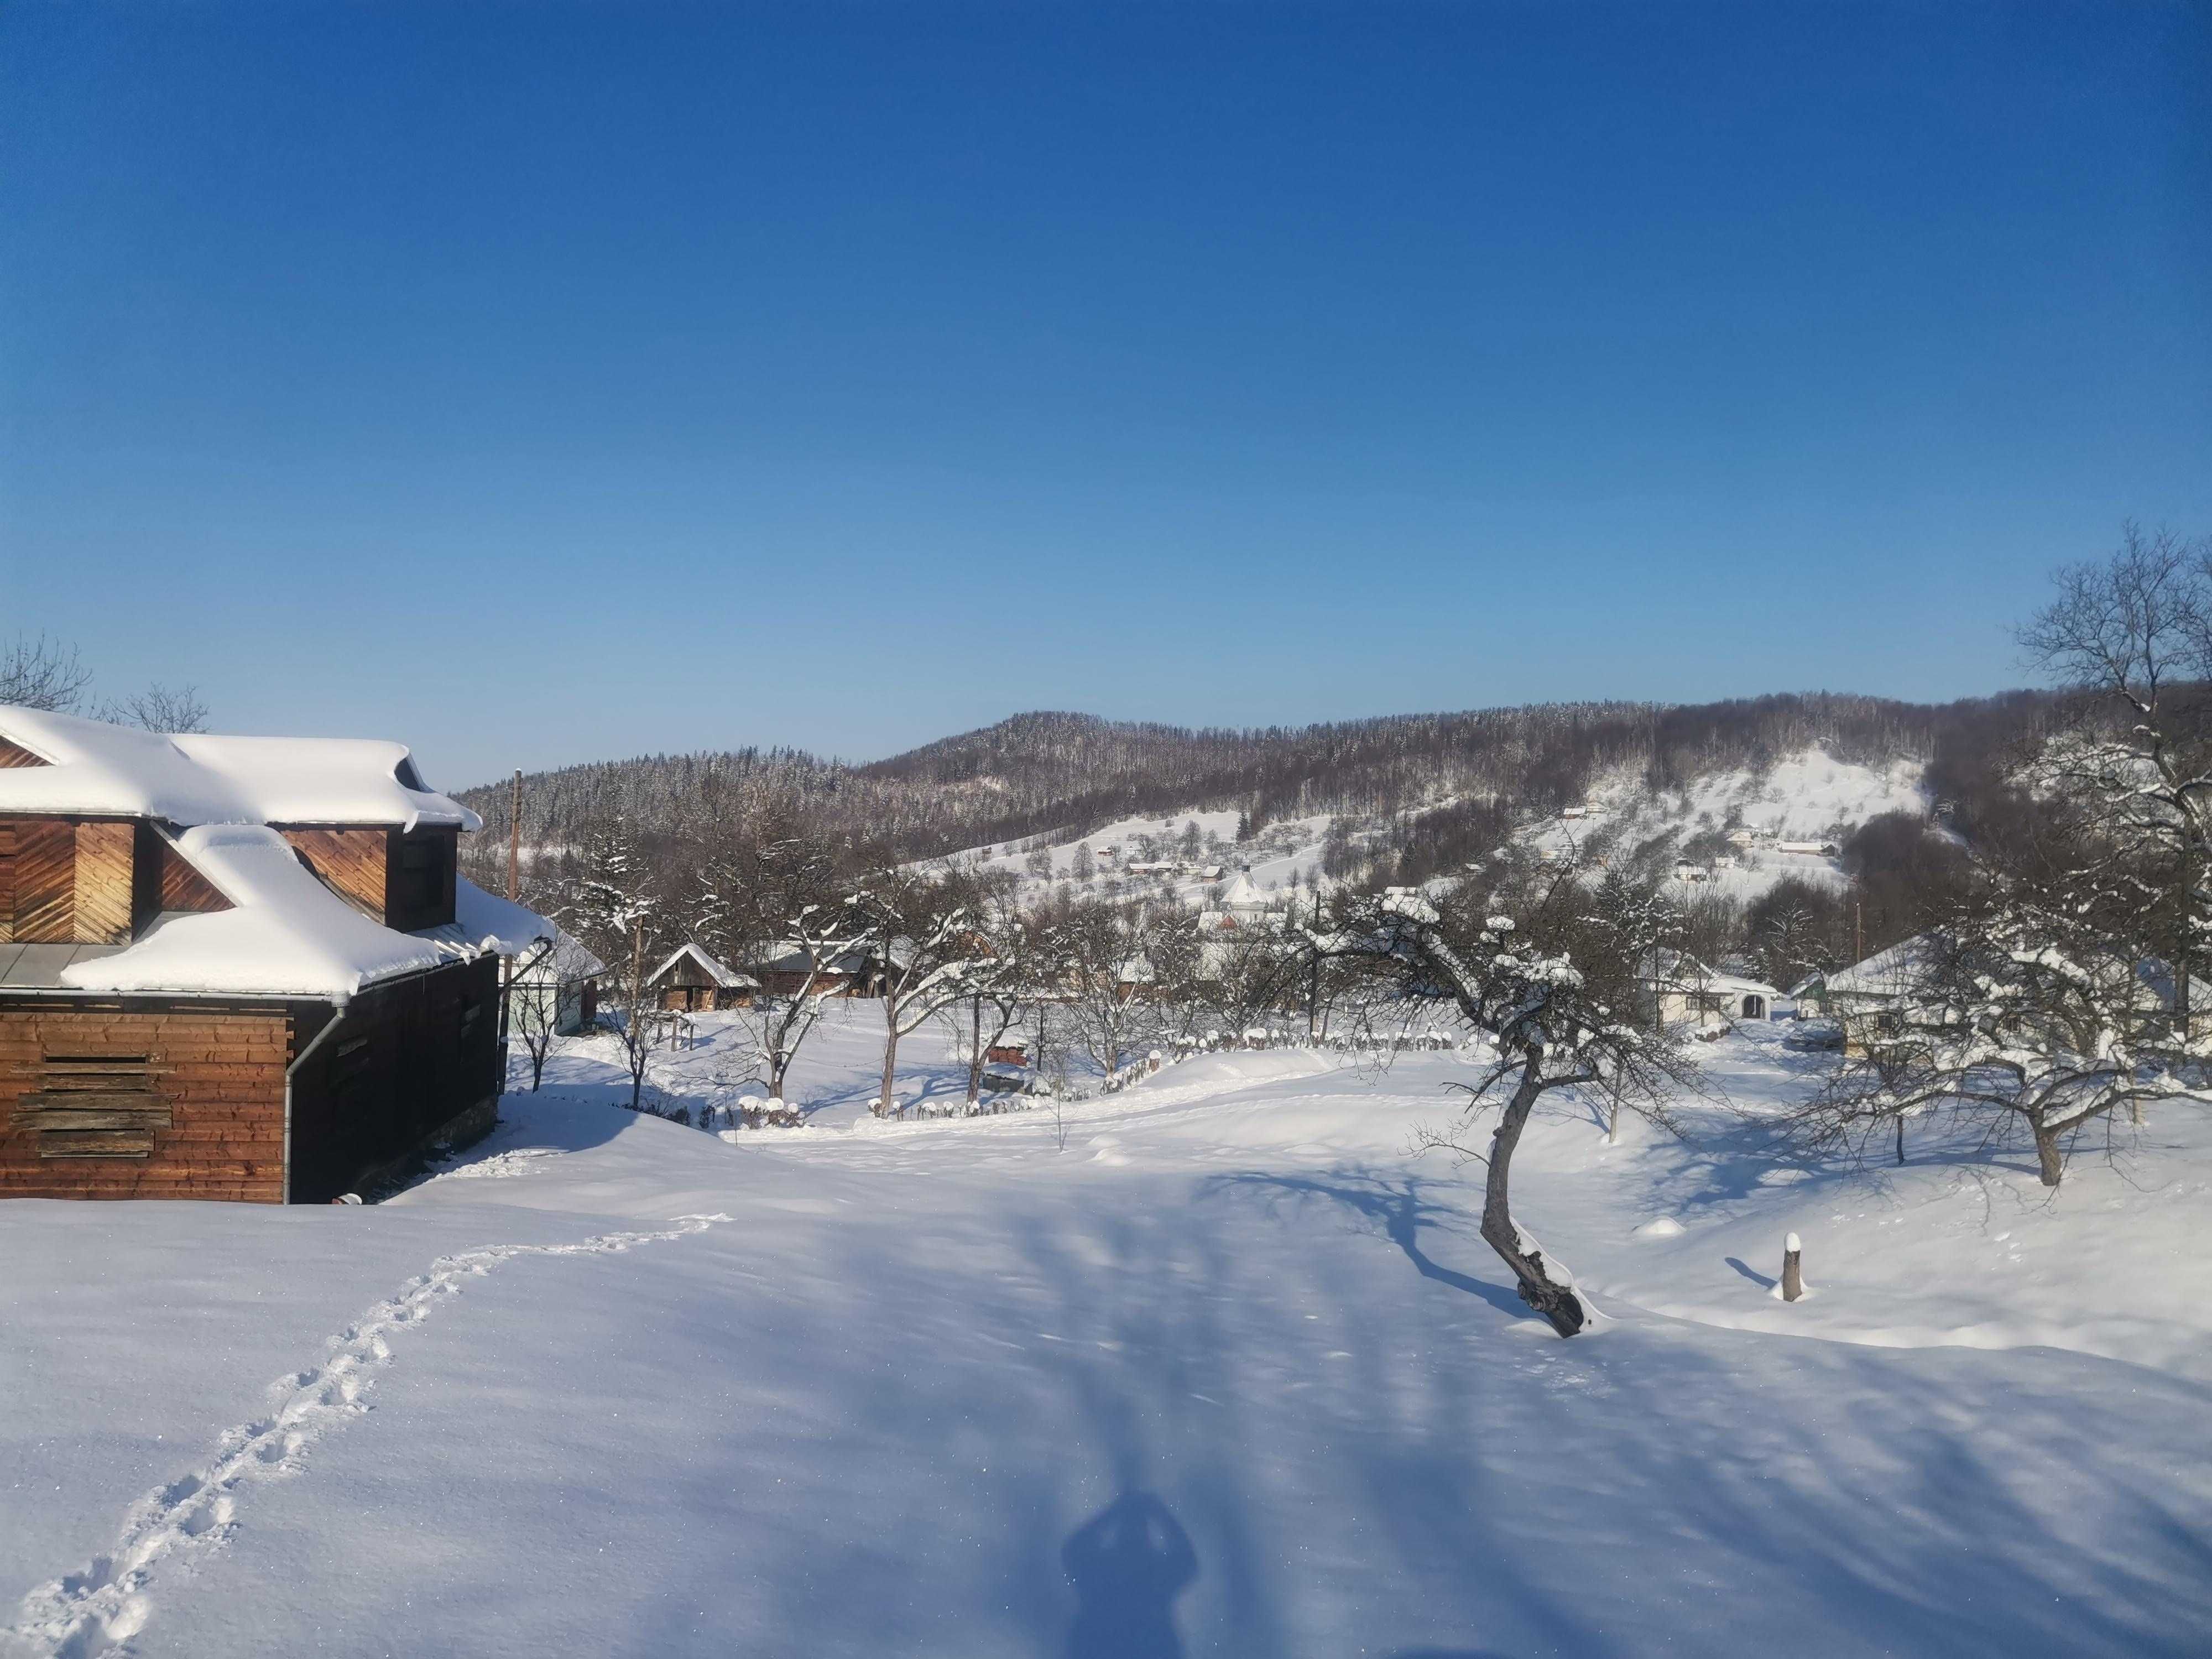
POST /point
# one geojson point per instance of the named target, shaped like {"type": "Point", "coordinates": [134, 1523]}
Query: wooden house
{"type": "Point", "coordinates": [690, 982]}
{"type": "Point", "coordinates": [793, 970]}
{"type": "Point", "coordinates": [234, 967]}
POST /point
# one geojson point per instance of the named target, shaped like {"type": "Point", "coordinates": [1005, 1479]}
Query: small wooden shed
{"type": "Point", "coordinates": [690, 982]}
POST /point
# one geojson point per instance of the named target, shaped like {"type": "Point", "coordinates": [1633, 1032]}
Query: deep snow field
{"type": "Point", "coordinates": [1228, 1373]}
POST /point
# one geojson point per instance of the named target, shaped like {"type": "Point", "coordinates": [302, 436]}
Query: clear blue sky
{"type": "Point", "coordinates": [542, 383]}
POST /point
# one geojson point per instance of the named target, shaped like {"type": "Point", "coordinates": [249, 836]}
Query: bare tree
{"type": "Point", "coordinates": [2034, 1015]}
{"type": "Point", "coordinates": [2132, 636]}
{"type": "Point", "coordinates": [615, 907]}
{"type": "Point", "coordinates": [1107, 975]}
{"type": "Point", "coordinates": [785, 895]}
{"type": "Point", "coordinates": [922, 930]}
{"type": "Point", "coordinates": [40, 672]}
{"type": "Point", "coordinates": [1546, 1025]}
{"type": "Point", "coordinates": [159, 708]}
{"type": "Point", "coordinates": [535, 998]}
{"type": "Point", "coordinates": [1002, 984]}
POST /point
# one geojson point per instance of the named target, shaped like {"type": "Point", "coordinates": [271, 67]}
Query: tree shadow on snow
{"type": "Point", "coordinates": [1128, 1563]}
{"type": "Point", "coordinates": [1399, 1209]}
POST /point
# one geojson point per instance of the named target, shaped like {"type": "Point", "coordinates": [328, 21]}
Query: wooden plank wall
{"type": "Point", "coordinates": [104, 864]}
{"type": "Point", "coordinates": [351, 861]}
{"type": "Point", "coordinates": [7, 881]}
{"type": "Point", "coordinates": [184, 888]}
{"type": "Point", "coordinates": [221, 1076]}
{"type": "Point", "coordinates": [68, 881]}
{"type": "Point", "coordinates": [46, 881]}
{"type": "Point", "coordinates": [15, 755]}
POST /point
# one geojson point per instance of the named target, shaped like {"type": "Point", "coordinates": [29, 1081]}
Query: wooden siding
{"type": "Point", "coordinates": [410, 1056]}
{"type": "Point", "coordinates": [352, 861]}
{"type": "Point", "coordinates": [101, 913]}
{"type": "Point", "coordinates": [104, 1102]}
{"type": "Point", "coordinates": [7, 881]}
{"type": "Point", "coordinates": [184, 888]}
{"type": "Point", "coordinates": [46, 881]}
{"type": "Point", "coordinates": [15, 755]}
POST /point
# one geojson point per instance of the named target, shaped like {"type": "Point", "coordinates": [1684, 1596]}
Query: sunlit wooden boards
{"type": "Point", "coordinates": [180, 1102]}
{"type": "Point", "coordinates": [352, 861]}
{"type": "Point", "coordinates": [64, 881]}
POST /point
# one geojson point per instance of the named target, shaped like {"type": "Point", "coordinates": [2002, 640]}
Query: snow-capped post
{"type": "Point", "coordinates": [1792, 1269]}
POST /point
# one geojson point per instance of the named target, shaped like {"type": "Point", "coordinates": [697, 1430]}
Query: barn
{"type": "Point", "coordinates": [235, 968]}
{"type": "Point", "coordinates": [691, 981]}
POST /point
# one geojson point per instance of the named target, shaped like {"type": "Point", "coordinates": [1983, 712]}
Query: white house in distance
{"type": "Point", "coordinates": [558, 984]}
{"type": "Point", "coordinates": [1688, 990]}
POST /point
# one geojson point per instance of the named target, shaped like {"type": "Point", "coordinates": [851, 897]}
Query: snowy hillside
{"type": "Point", "coordinates": [1809, 796]}
{"type": "Point", "coordinates": [1227, 1372]}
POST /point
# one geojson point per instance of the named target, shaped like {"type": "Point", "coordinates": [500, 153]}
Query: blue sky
{"type": "Point", "coordinates": [542, 383]}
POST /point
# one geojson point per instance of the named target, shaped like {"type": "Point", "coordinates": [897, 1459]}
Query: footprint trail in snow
{"type": "Point", "coordinates": [99, 1609]}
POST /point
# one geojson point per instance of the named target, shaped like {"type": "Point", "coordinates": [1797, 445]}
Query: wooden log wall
{"type": "Point", "coordinates": [106, 1102]}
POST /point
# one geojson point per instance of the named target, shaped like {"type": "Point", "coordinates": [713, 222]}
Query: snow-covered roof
{"type": "Point", "coordinates": [1244, 894]}
{"type": "Point", "coordinates": [485, 922]}
{"type": "Point", "coordinates": [724, 976]}
{"type": "Point", "coordinates": [1887, 973]}
{"type": "Point", "coordinates": [792, 958]}
{"type": "Point", "coordinates": [287, 934]}
{"type": "Point", "coordinates": [194, 778]}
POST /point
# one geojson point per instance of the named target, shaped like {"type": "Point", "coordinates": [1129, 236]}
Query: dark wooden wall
{"type": "Point", "coordinates": [409, 1057]}
{"type": "Point", "coordinates": [101, 1102]}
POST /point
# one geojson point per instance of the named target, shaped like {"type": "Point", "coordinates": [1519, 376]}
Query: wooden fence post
{"type": "Point", "coordinates": [1793, 1273]}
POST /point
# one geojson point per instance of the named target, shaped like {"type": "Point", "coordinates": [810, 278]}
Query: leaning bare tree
{"type": "Point", "coordinates": [1546, 1025]}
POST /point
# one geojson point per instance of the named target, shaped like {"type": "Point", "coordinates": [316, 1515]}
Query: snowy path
{"type": "Point", "coordinates": [99, 1609]}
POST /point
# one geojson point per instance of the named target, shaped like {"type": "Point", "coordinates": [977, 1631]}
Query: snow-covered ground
{"type": "Point", "coordinates": [1220, 1370]}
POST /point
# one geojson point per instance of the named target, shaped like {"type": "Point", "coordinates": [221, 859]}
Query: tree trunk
{"type": "Point", "coordinates": [2049, 1166]}
{"type": "Point", "coordinates": [1556, 1301]}
{"type": "Point", "coordinates": [890, 1052]}
{"type": "Point", "coordinates": [1612, 1122]}
{"type": "Point", "coordinates": [976, 1053]}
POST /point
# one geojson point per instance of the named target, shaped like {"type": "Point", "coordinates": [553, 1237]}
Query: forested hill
{"type": "Point", "coordinates": [1037, 773]}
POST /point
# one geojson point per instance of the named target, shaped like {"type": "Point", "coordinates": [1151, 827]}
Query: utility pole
{"type": "Point", "coordinates": [514, 839]}
{"type": "Point", "coordinates": [1313, 979]}
{"type": "Point", "coordinates": [1858, 930]}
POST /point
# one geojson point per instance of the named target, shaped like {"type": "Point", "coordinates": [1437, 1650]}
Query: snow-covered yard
{"type": "Point", "coordinates": [1229, 1373]}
